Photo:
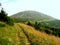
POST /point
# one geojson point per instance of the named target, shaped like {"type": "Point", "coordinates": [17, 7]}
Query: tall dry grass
{"type": "Point", "coordinates": [39, 38]}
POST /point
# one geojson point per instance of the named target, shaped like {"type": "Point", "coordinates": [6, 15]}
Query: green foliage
{"type": "Point", "coordinates": [48, 31]}
{"type": "Point", "coordinates": [36, 25]}
{"type": "Point", "coordinates": [3, 15]}
{"type": "Point", "coordinates": [30, 23]}
{"type": "Point", "coordinates": [55, 23]}
{"type": "Point", "coordinates": [9, 21]}
{"type": "Point", "coordinates": [42, 27]}
{"type": "Point", "coordinates": [5, 18]}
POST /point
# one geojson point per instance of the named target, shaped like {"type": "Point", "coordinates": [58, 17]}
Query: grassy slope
{"type": "Point", "coordinates": [39, 38]}
{"type": "Point", "coordinates": [12, 35]}
{"type": "Point", "coordinates": [21, 34]}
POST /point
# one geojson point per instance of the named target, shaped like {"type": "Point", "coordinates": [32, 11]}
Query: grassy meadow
{"type": "Point", "coordinates": [21, 34]}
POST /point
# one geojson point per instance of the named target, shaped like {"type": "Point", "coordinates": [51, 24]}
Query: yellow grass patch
{"type": "Point", "coordinates": [40, 38]}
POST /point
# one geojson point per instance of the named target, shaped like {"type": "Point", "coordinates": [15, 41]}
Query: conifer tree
{"type": "Point", "coordinates": [5, 18]}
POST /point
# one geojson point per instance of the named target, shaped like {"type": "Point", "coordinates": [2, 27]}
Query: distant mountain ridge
{"type": "Point", "coordinates": [31, 16]}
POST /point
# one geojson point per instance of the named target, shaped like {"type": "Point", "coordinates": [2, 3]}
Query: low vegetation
{"type": "Point", "coordinates": [12, 35]}
{"type": "Point", "coordinates": [5, 18]}
{"type": "Point", "coordinates": [45, 28]}
{"type": "Point", "coordinates": [39, 38]}
{"type": "Point", "coordinates": [21, 34]}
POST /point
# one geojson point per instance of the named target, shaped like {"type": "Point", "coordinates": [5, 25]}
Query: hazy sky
{"type": "Point", "coordinates": [49, 7]}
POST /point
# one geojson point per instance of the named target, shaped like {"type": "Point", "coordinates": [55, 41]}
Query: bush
{"type": "Point", "coordinates": [37, 26]}
{"type": "Point", "coordinates": [30, 24]}
{"type": "Point", "coordinates": [48, 31]}
{"type": "Point", "coordinates": [9, 21]}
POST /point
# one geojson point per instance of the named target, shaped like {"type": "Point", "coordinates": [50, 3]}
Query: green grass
{"type": "Point", "coordinates": [21, 34]}
{"type": "Point", "coordinates": [2, 24]}
{"type": "Point", "coordinates": [8, 33]}
{"type": "Point", "coordinates": [12, 35]}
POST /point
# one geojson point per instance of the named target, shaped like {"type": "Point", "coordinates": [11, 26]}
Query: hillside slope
{"type": "Point", "coordinates": [21, 34]}
{"type": "Point", "coordinates": [55, 23]}
{"type": "Point", "coordinates": [31, 16]}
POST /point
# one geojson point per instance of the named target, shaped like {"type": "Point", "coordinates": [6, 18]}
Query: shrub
{"type": "Point", "coordinates": [47, 31]}
{"type": "Point", "coordinates": [9, 21]}
{"type": "Point", "coordinates": [30, 24]}
{"type": "Point", "coordinates": [37, 26]}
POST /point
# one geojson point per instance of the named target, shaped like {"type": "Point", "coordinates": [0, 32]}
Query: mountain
{"type": "Point", "coordinates": [21, 34]}
{"type": "Point", "coordinates": [31, 16]}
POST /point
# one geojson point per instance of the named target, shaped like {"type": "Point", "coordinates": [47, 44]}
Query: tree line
{"type": "Point", "coordinates": [47, 29]}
